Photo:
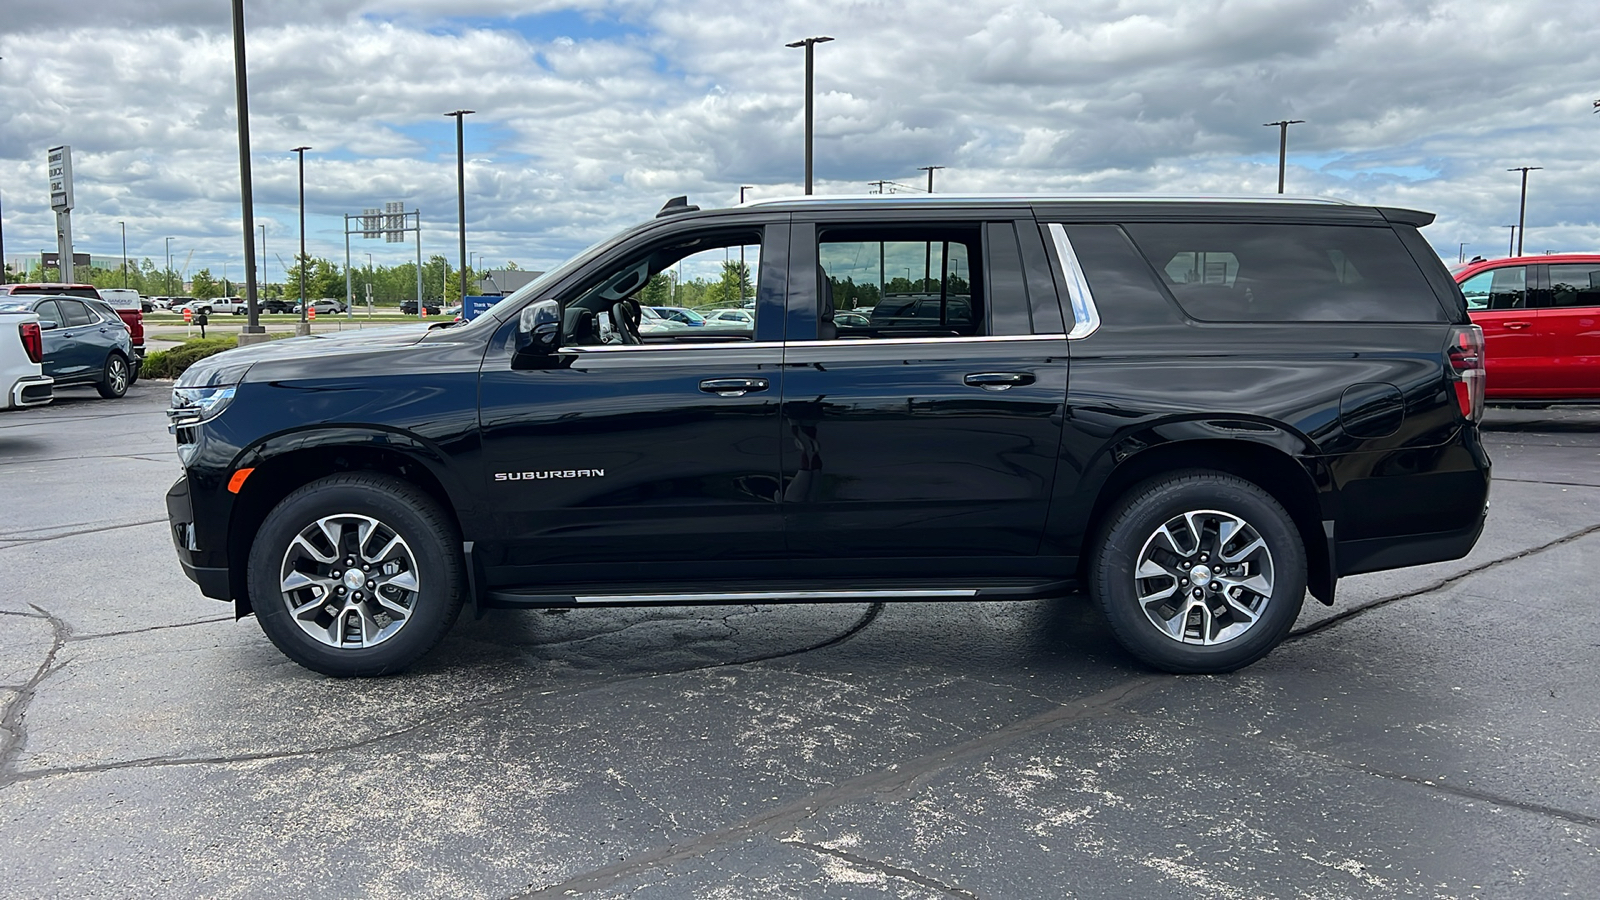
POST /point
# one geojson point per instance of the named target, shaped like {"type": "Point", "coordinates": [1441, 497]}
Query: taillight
{"type": "Point", "coordinates": [32, 341]}
{"type": "Point", "coordinates": [1464, 358]}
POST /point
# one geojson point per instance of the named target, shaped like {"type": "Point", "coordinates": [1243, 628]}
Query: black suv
{"type": "Point", "coordinates": [1196, 409]}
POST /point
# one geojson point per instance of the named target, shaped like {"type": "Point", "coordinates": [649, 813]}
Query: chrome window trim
{"type": "Point", "coordinates": [1085, 315]}
{"type": "Point", "coordinates": [772, 345]}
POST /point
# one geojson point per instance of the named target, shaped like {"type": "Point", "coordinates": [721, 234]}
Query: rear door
{"type": "Point", "coordinates": [1569, 329]}
{"type": "Point", "coordinates": [927, 436]}
{"type": "Point", "coordinates": [1500, 302]}
{"type": "Point", "coordinates": [58, 360]}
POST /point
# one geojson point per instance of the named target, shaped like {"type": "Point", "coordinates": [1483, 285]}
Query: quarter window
{"type": "Point", "coordinates": [1505, 288]}
{"type": "Point", "coordinates": [1288, 273]}
{"type": "Point", "coordinates": [1575, 284]}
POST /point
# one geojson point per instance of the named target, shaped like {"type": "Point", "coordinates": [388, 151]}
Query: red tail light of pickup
{"type": "Point", "coordinates": [32, 341]}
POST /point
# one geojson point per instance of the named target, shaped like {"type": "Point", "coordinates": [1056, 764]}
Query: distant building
{"type": "Point", "coordinates": [505, 281]}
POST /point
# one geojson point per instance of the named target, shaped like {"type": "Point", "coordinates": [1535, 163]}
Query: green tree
{"type": "Point", "coordinates": [656, 291]}
{"type": "Point", "coordinates": [204, 287]}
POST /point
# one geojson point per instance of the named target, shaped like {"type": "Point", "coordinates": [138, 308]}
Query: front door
{"type": "Point", "coordinates": [922, 413]}
{"type": "Point", "coordinates": [645, 444]}
{"type": "Point", "coordinates": [1570, 329]}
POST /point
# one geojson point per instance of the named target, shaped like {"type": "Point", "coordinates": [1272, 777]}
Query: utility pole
{"type": "Point", "coordinates": [808, 43]}
{"type": "Point", "coordinates": [461, 198]}
{"type": "Point", "coordinates": [169, 267]}
{"type": "Point", "coordinates": [1522, 214]}
{"type": "Point", "coordinates": [877, 184]}
{"type": "Point", "coordinates": [929, 170]}
{"type": "Point", "coordinates": [1283, 144]}
{"type": "Point", "coordinates": [124, 227]}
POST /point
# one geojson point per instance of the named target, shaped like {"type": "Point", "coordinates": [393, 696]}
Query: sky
{"type": "Point", "coordinates": [591, 114]}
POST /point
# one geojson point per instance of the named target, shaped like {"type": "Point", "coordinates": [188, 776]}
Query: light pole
{"type": "Point", "coordinates": [461, 195]}
{"type": "Point", "coordinates": [305, 327]}
{"type": "Point", "coordinates": [808, 43]}
{"type": "Point", "coordinates": [246, 194]}
{"type": "Point", "coordinates": [1511, 246]}
{"type": "Point", "coordinates": [169, 267]}
{"type": "Point", "coordinates": [264, 253]}
{"type": "Point", "coordinates": [1283, 144]}
{"type": "Point", "coordinates": [1522, 211]}
{"type": "Point", "coordinates": [2, 247]}
{"type": "Point", "coordinates": [742, 189]}
{"type": "Point", "coordinates": [124, 226]}
{"type": "Point", "coordinates": [1461, 252]}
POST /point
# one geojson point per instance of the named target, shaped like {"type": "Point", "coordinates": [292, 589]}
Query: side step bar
{"type": "Point", "coordinates": [747, 594]}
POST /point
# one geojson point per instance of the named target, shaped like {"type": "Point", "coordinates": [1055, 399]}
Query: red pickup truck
{"type": "Point", "coordinates": [131, 316]}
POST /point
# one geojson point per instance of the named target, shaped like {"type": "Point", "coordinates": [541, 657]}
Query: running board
{"type": "Point", "coordinates": [750, 595]}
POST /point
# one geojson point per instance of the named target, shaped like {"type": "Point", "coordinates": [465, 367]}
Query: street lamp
{"type": "Point", "coordinates": [264, 268]}
{"type": "Point", "coordinates": [1511, 243]}
{"type": "Point", "coordinates": [169, 267]}
{"type": "Point", "coordinates": [461, 194]}
{"type": "Point", "coordinates": [808, 43]}
{"type": "Point", "coordinates": [742, 189]}
{"type": "Point", "coordinates": [124, 226]}
{"type": "Point", "coordinates": [246, 193]}
{"type": "Point", "coordinates": [1522, 213]}
{"type": "Point", "coordinates": [1283, 144]}
{"type": "Point", "coordinates": [301, 151]}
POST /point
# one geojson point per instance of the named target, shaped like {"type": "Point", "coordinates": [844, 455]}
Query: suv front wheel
{"type": "Point", "coordinates": [356, 574]}
{"type": "Point", "coordinates": [1199, 572]}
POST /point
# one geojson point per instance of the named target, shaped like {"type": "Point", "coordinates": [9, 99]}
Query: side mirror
{"type": "Point", "coordinates": [47, 324]}
{"type": "Point", "coordinates": [538, 332]}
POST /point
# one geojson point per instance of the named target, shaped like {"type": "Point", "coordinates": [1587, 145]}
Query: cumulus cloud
{"type": "Point", "coordinates": [590, 114]}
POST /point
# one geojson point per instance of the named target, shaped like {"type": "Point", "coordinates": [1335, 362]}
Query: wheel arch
{"type": "Point", "coordinates": [285, 463]}
{"type": "Point", "coordinates": [1290, 478]}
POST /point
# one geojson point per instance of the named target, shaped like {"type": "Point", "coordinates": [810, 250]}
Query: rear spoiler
{"type": "Point", "coordinates": [1414, 217]}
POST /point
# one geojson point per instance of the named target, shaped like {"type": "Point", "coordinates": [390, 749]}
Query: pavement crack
{"type": "Point", "coordinates": [888, 869]}
{"type": "Point", "coordinates": [889, 780]}
{"type": "Point", "coordinates": [1542, 481]}
{"type": "Point", "coordinates": [13, 720]}
{"type": "Point", "coordinates": [106, 634]}
{"type": "Point", "coordinates": [12, 543]}
{"type": "Point", "coordinates": [1354, 611]}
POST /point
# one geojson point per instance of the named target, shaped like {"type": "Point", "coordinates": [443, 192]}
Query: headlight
{"type": "Point", "coordinates": [193, 405]}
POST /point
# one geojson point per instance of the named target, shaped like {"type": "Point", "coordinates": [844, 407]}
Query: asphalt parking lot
{"type": "Point", "coordinates": [1435, 734]}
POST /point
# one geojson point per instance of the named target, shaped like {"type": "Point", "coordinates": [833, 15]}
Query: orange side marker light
{"type": "Point", "coordinates": [236, 483]}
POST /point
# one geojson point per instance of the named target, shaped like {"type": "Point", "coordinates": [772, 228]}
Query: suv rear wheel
{"type": "Point", "coordinates": [356, 574]}
{"type": "Point", "coordinates": [116, 377]}
{"type": "Point", "coordinates": [1199, 572]}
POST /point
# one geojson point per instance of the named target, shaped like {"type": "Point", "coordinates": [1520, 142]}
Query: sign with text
{"type": "Point", "coordinates": [60, 162]}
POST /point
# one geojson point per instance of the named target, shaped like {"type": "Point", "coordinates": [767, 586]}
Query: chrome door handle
{"type": "Point", "coordinates": [733, 387]}
{"type": "Point", "coordinates": [998, 381]}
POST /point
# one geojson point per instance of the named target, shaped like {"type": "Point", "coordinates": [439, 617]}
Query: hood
{"type": "Point", "coordinates": [230, 366]}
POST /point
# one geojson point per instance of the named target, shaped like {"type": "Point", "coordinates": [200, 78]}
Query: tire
{"type": "Point", "coordinates": [423, 591]}
{"type": "Point", "coordinates": [1163, 530]}
{"type": "Point", "coordinates": [115, 378]}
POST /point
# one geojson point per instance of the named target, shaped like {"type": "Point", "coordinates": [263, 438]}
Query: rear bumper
{"type": "Point", "coordinates": [33, 390]}
{"type": "Point", "coordinates": [208, 569]}
{"type": "Point", "coordinates": [1377, 554]}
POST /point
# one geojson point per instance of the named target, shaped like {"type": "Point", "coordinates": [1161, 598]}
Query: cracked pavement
{"type": "Point", "coordinates": [1432, 735]}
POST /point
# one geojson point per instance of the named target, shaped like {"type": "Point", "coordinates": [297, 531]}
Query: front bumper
{"type": "Point", "coordinates": [206, 568]}
{"type": "Point", "coordinates": [33, 390]}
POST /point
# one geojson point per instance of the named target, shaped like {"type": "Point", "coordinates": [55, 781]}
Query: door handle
{"type": "Point", "coordinates": [998, 381]}
{"type": "Point", "coordinates": [733, 387]}
{"type": "Point", "coordinates": [1518, 326]}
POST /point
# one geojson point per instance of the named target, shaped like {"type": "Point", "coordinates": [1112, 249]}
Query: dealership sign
{"type": "Point", "coordinates": [60, 177]}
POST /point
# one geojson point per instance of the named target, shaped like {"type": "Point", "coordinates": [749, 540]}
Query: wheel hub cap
{"type": "Point", "coordinates": [1204, 577]}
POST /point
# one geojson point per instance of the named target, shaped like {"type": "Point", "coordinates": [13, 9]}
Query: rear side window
{"type": "Point", "coordinates": [1575, 284]}
{"type": "Point", "coordinates": [1288, 273]}
{"type": "Point", "coordinates": [1502, 288]}
{"type": "Point", "coordinates": [76, 313]}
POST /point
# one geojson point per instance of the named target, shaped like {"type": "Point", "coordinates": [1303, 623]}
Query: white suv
{"type": "Point", "coordinates": [21, 358]}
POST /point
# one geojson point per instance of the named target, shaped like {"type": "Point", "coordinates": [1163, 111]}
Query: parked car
{"type": "Point", "coordinates": [277, 305]}
{"type": "Point", "coordinates": [192, 305]}
{"type": "Point", "coordinates": [22, 378]}
{"type": "Point", "coordinates": [848, 319]}
{"type": "Point", "coordinates": [237, 306]}
{"type": "Point", "coordinates": [1194, 409]}
{"type": "Point", "coordinates": [738, 318]}
{"type": "Point", "coordinates": [108, 313]}
{"type": "Point", "coordinates": [328, 306]}
{"type": "Point", "coordinates": [409, 307]}
{"type": "Point", "coordinates": [1541, 325]}
{"type": "Point", "coordinates": [679, 314]}
{"type": "Point", "coordinates": [84, 342]}
{"type": "Point", "coordinates": [125, 303]}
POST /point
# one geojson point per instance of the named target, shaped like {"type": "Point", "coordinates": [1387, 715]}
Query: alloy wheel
{"type": "Point", "coordinates": [349, 581]}
{"type": "Point", "coordinates": [1204, 577]}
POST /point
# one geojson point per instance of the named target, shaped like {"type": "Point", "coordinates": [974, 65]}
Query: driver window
{"type": "Point", "coordinates": [693, 288]}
